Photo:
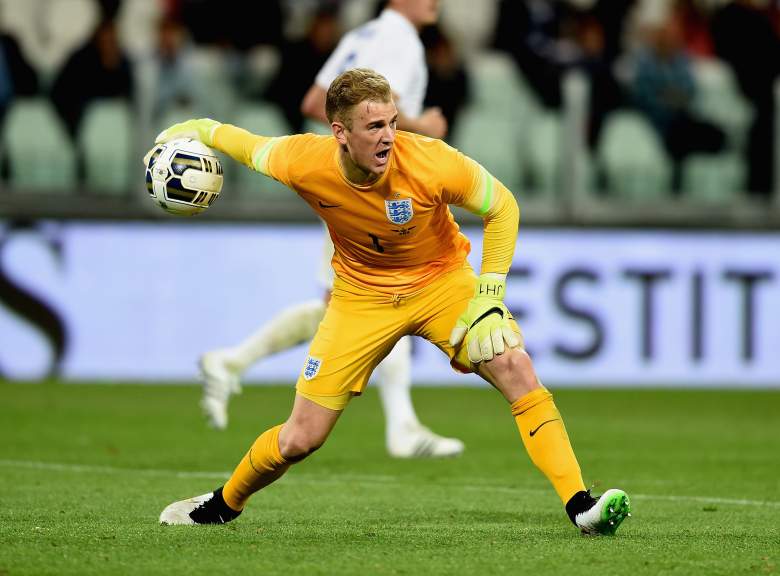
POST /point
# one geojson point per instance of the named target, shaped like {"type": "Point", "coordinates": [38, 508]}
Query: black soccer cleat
{"type": "Point", "coordinates": [205, 509]}
{"type": "Point", "coordinates": [599, 516]}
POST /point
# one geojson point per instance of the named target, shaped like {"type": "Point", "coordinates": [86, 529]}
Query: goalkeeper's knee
{"type": "Point", "coordinates": [511, 372]}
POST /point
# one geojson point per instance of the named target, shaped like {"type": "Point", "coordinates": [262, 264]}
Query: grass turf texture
{"type": "Point", "coordinates": [86, 469]}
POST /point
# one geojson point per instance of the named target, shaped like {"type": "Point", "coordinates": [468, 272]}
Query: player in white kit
{"type": "Point", "coordinates": [389, 44]}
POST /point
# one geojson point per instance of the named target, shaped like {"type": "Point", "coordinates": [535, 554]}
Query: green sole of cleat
{"type": "Point", "coordinates": [616, 509]}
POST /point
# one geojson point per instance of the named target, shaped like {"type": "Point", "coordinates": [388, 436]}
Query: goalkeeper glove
{"type": "Point", "coordinates": [201, 129]}
{"type": "Point", "coordinates": [485, 323]}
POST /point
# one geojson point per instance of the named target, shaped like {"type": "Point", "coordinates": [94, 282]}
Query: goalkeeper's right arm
{"type": "Point", "coordinates": [239, 144]}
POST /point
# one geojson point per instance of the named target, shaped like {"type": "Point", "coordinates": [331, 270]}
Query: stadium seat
{"type": "Point", "coordinates": [634, 161]}
{"type": "Point", "coordinates": [266, 120]}
{"type": "Point", "coordinates": [543, 153]}
{"type": "Point", "coordinates": [719, 100]}
{"type": "Point", "coordinates": [498, 87]}
{"type": "Point", "coordinates": [502, 125]}
{"type": "Point", "coordinates": [106, 140]}
{"type": "Point", "coordinates": [721, 177]}
{"type": "Point", "coordinates": [714, 177]}
{"type": "Point", "coordinates": [41, 154]}
{"type": "Point", "coordinates": [493, 142]}
{"type": "Point", "coordinates": [213, 84]}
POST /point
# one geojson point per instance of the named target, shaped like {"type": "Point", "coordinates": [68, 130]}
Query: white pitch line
{"type": "Point", "coordinates": [635, 496]}
{"type": "Point", "coordinates": [91, 468]}
{"type": "Point", "coordinates": [707, 500]}
{"type": "Point", "coordinates": [363, 479]}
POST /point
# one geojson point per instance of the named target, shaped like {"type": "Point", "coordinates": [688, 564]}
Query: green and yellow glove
{"type": "Point", "coordinates": [201, 129]}
{"type": "Point", "coordinates": [485, 323]}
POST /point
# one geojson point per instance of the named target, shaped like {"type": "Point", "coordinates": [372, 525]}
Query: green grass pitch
{"type": "Point", "coordinates": [86, 469]}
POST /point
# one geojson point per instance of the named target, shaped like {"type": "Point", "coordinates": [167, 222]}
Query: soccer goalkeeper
{"type": "Point", "coordinates": [401, 269]}
{"type": "Point", "coordinates": [390, 45]}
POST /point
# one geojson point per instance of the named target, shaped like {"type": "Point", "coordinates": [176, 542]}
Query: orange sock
{"type": "Point", "coordinates": [258, 468]}
{"type": "Point", "coordinates": [544, 435]}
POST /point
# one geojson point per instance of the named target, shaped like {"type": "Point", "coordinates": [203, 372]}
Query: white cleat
{"type": "Point", "coordinates": [606, 514]}
{"type": "Point", "coordinates": [417, 441]}
{"type": "Point", "coordinates": [219, 382]}
{"type": "Point", "coordinates": [204, 509]}
{"type": "Point", "coordinates": [178, 513]}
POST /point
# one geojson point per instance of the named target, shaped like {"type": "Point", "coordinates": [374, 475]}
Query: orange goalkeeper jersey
{"type": "Point", "coordinates": [394, 235]}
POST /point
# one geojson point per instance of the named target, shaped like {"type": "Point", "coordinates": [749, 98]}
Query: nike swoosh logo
{"type": "Point", "coordinates": [328, 205]}
{"type": "Point", "coordinates": [535, 430]}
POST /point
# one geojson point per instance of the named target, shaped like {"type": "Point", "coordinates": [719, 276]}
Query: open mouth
{"type": "Point", "coordinates": [382, 156]}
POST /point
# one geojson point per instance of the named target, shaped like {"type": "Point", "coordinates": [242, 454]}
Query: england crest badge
{"type": "Point", "coordinates": [312, 367]}
{"type": "Point", "coordinates": [399, 211]}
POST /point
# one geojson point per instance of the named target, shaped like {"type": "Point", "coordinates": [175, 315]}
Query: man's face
{"type": "Point", "coordinates": [419, 12]}
{"type": "Point", "coordinates": [369, 142]}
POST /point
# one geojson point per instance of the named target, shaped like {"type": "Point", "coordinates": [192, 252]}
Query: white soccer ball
{"type": "Point", "coordinates": [183, 176]}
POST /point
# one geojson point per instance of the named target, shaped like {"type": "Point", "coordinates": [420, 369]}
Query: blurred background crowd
{"type": "Point", "coordinates": [591, 111]}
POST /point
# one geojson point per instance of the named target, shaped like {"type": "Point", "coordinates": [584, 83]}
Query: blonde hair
{"type": "Point", "coordinates": [351, 88]}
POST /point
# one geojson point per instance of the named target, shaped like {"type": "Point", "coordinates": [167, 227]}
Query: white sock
{"type": "Point", "coordinates": [292, 326]}
{"type": "Point", "coordinates": [394, 379]}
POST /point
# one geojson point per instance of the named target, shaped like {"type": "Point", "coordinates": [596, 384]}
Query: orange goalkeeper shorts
{"type": "Point", "coordinates": [361, 326]}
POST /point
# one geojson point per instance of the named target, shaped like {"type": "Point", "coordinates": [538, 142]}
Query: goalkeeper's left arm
{"type": "Point", "coordinates": [485, 323]}
{"type": "Point", "coordinates": [241, 145]}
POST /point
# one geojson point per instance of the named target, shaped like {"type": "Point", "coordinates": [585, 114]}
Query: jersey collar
{"type": "Point", "coordinates": [371, 185]}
